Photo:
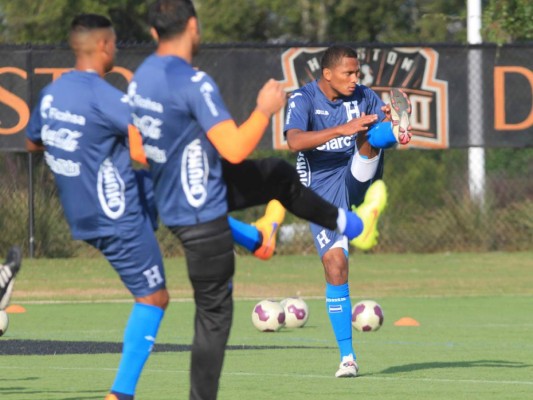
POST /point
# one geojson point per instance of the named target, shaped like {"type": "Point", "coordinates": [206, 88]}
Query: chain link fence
{"type": "Point", "coordinates": [440, 200]}
{"type": "Point", "coordinates": [430, 208]}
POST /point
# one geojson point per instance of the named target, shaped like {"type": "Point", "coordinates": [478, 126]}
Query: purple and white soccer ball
{"type": "Point", "coordinates": [268, 316]}
{"type": "Point", "coordinates": [367, 316]}
{"type": "Point", "coordinates": [296, 312]}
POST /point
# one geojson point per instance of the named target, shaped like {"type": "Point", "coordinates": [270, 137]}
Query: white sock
{"type": "Point", "coordinates": [363, 169]}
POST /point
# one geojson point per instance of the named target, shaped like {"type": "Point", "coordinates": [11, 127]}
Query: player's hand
{"type": "Point", "coordinates": [358, 124]}
{"type": "Point", "coordinates": [271, 98]}
{"type": "Point", "coordinates": [386, 111]}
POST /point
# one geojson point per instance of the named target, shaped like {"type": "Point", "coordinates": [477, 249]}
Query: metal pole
{"type": "Point", "coordinates": [476, 151]}
{"type": "Point", "coordinates": [31, 188]}
{"type": "Point", "coordinates": [31, 208]}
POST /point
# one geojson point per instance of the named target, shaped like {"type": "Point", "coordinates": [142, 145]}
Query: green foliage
{"type": "Point", "coordinates": [508, 21]}
{"type": "Point", "coordinates": [278, 21]}
{"type": "Point", "coordinates": [232, 21]}
{"type": "Point", "coordinates": [47, 21]}
{"type": "Point", "coordinates": [274, 21]}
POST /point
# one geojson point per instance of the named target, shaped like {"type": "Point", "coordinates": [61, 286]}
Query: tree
{"type": "Point", "coordinates": [281, 21]}
{"type": "Point", "coordinates": [508, 21]}
{"type": "Point", "coordinates": [47, 21]}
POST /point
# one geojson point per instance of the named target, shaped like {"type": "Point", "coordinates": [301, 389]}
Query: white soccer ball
{"type": "Point", "coordinates": [367, 316]}
{"type": "Point", "coordinates": [4, 322]}
{"type": "Point", "coordinates": [268, 316]}
{"type": "Point", "coordinates": [296, 312]}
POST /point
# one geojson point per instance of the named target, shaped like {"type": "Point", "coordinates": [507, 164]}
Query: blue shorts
{"type": "Point", "coordinates": [342, 192]}
{"type": "Point", "coordinates": [136, 257]}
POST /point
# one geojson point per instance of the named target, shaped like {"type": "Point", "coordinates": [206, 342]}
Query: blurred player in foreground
{"type": "Point", "coordinates": [197, 156]}
{"type": "Point", "coordinates": [82, 126]}
{"type": "Point", "coordinates": [339, 129]}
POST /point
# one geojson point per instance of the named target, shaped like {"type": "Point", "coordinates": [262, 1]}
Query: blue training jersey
{"type": "Point", "coordinates": [83, 126]}
{"type": "Point", "coordinates": [310, 110]}
{"type": "Point", "coordinates": [174, 106]}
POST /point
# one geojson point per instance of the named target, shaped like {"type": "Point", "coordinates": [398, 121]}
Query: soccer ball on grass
{"type": "Point", "coordinates": [268, 316]}
{"type": "Point", "coordinates": [4, 322]}
{"type": "Point", "coordinates": [367, 316]}
{"type": "Point", "coordinates": [296, 312]}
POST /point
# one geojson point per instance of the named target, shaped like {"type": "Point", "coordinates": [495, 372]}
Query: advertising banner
{"type": "Point", "coordinates": [435, 78]}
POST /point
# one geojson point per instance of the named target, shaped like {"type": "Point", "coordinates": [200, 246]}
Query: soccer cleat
{"type": "Point", "coordinates": [8, 271]}
{"type": "Point", "coordinates": [348, 368]}
{"type": "Point", "coordinates": [369, 212]}
{"type": "Point", "coordinates": [268, 225]}
{"type": "Point", "coordinates": [400, 112]}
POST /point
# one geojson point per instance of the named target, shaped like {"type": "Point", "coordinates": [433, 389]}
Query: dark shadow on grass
{"type": "Point", "coordinates": [55, 347]}
{"type": "Point", "coordinates": [454, 364]}
{"type": "Point", "coordinates": [72, 395]}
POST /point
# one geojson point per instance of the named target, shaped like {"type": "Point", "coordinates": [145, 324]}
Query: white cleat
{"type": "Point", "coordinates": [347, 369]}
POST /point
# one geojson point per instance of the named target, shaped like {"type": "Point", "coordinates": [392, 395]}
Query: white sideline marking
{"type": "Point", "coordinates": [284, 376]}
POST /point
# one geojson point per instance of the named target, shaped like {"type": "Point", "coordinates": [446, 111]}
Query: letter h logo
{"type": "Point", "coordinates": [153, 276]}
{"type": "Point", "coordinates": [352, 110]}
{"type": "Point", "coordinates": [322, 238]}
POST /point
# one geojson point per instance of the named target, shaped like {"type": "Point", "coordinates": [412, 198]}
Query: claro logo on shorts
{"type": "Point", "coordinates": [111, 189]}
{"type": "Point", "coordinates": [194, 173]}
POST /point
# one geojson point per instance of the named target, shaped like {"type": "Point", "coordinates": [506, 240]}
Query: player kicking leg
{"type": "Point", "coordinates": [364, 178]}
{"type": "Point", "coordinates": [260, 236]}
{"type": "Point", "coordinates": [8, 272]}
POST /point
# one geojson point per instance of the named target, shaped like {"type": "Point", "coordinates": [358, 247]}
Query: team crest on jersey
{"type": "Point", "coordinates": [414, 70]}
{"type": "Point", "coordinates": [111, 190]}
{"type": "Point", "coordinates": [194, 173]}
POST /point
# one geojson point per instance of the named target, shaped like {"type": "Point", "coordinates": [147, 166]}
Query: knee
{"type": "Point", "coordinates": [159, 299]}
{"type": "Point", "coordinates": [335, 267]}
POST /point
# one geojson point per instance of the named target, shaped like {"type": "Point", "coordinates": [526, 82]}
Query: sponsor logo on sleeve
{"type": "Point", "coordinates": [304, 170]}
{"type": "Point", "coordinates": [111, 188]}
{"type": "Point", "coordinates": [194, 173]}
{"type": "Point", "coordinates": [206, 89]}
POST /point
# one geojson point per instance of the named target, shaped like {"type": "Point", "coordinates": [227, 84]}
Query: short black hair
{"type": "Point", "coordinates": [169, 17]}
{"type": "Point", "coordinates": [87, 22]}
{"type": "Point", "coordinates": [335, 54]}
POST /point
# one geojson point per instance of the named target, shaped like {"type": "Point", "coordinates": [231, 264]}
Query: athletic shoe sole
{"type": "Point", "coordinates": [400, 112]}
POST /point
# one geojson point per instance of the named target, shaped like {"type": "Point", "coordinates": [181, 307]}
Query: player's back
{"type": "Point", "coordinates": [83, 126]}
{"type": "Point", "coordinates": [172, 106]}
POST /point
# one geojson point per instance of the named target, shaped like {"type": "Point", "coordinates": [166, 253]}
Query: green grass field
{"type": "Point", "coordinates": [475, 339]}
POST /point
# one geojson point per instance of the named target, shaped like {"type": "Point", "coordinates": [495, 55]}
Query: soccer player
{"type": "Point", "coordinates": [197, 156]}
{"type": "Point", "coordinates": [339, 129]}
{"type": "Point", "coordinates": [8, 271]}
{"type": "Point", "coordinates": [82, 125]}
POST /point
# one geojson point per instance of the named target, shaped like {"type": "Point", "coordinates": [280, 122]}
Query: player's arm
{"type": "Point", "coordinates": [136, 145]}
{"type": "Point", "coordinates": [236, 143]}
{"type": "Point", "coordinates": [300, 140]}
{"type": "Point", "coordinates": [34, 141]}
{"type": "Point", "coordinates": [34, 146]}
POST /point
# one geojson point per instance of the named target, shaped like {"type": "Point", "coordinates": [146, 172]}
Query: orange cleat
{"type": "Point", "coordinates": [268, 225]}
